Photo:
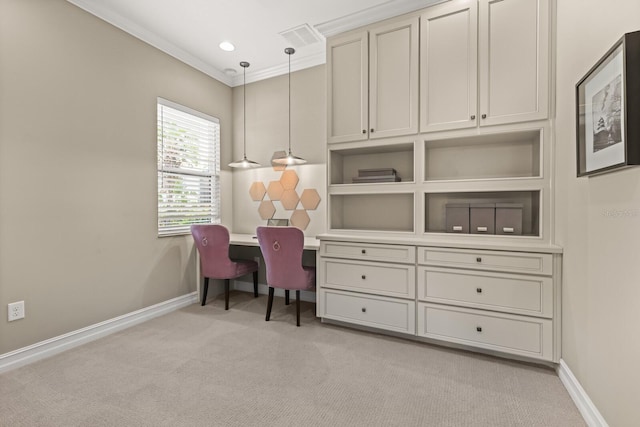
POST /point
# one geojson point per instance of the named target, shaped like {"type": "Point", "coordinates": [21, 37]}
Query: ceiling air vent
{"type": "Point", "coordinates": [301, 36]}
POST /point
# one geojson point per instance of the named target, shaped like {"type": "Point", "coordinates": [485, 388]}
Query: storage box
{"type": "Point", "coordinates": [457, 217]}
{"type": "Point", "coordinates": [482, 218]}
{"type": "Point", "coordinates": [509, 218]}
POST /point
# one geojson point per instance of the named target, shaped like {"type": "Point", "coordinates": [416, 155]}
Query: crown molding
{"type": "Point", "coordinates": [278, 70]}
{"type": "Point", "coordinates": [373, 14]}
{"type": "Point", "coordinates": [152, 39]}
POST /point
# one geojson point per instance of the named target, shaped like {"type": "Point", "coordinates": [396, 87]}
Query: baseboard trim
{"type": "Point", "coordinates": [55, 345]}
{"type": "Point", "coordinates": [589, 412]}
{"type": "Point", "coordinates": [239, 285]}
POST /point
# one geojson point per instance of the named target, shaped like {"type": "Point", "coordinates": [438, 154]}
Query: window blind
{"type": "Point", "coordinates": [188, 168]}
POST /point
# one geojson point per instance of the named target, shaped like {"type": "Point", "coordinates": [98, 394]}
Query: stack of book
{"type": "Point", "coordinates": [376, 175]}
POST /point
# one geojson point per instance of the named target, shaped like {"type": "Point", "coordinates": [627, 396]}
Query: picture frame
{"type": "Point", "coordinates": [608, 110]}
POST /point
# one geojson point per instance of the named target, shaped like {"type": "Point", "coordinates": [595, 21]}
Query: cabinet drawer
{"type": "Point", "coordinates": [517, 262]}
{"type": "Point", "coordinates": [369, 310]}
{"type": "Point", "coordinates": [396, 280]}
{"type": "Point", "coordinates": [520, 294]}
{"type": "Point", "coordinates": [369, 251]}
{"type": "Point", "coordinates": [521, 335]}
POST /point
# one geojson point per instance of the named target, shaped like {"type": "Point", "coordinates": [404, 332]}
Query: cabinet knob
{"type": "Point", "coordinates": [479, 290]}
{"type": "Point", "coordinates": [372, 130]}
{"type": "Point", "coordinates": [364, 277]}
{"type": "Point", "coordinates": [364, 131]}
{"type": "Point", "coordinates": [473, 117]}
{"type": "Point", "coordinates": [364, 251]}
{"type": "Point", "coordinates": [479, 328]}
{"type": "Point", "coordinates": [478, 259]}
{"type": "Point", "coordinates": [484, 116]}
{"type": "Point", "coordinates": [364, 309]}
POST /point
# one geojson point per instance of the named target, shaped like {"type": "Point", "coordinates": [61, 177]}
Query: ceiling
{"type": "Point", "coordinates": [191, 30]}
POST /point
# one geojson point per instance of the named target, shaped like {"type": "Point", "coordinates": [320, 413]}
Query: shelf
{"type": "Point", "coordinates": [502, 155]}
{"type": "Point", "coordinates": [344, 163]}
{"type": "Point", "coordinates": [435, 207]}
{"type": "Point", "coordinates": [391, 212]}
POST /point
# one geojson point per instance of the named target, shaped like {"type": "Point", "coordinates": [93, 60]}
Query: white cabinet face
{"type": "Point", "coordinates": [448, 66]}
{"type": "Point", "coordinates": [514, 50]}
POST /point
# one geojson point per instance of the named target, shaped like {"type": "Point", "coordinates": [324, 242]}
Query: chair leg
{"type": "Point", "coordinates": [286, 297]}
{"type": "Point", "coordinates": [297, 308]}
{"type": "Point", "coordinates": [255, 284]}
{"type": "Point", "coordinates": [269, 303]}
{"type": "Point", "coordinates": [226, 294]}
{"type": "Point", "coordinates": [204, 291]}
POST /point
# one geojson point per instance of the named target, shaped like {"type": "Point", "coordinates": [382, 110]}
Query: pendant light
{"type": "Point", "coordinates": [289, 159]}
{"type": "Point", "coordinates": [244, 163]}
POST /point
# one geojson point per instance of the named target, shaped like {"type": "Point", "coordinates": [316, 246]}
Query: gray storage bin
{"type": "Point", "coordinates": [509, 218]}
{"type": "Point", "coordinates": [482, 218]}
{"type": "Point", "coordinates": [457, 217]}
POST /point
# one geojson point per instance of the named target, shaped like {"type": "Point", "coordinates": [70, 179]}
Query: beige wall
{"type": "Point", "coordinates": [267, 132]}
{"type": "Point", "coordinates": [598, 222]}
{"type": "Point", "coordinates": [78, 169]}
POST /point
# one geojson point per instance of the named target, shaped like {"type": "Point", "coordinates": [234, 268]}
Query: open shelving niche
{"type": "Point", "coordinates": [386, 207]}
{"type": "Point", "coordinates": [509, 164]}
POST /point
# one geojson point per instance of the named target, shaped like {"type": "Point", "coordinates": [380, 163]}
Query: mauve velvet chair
{"type": "Point", "coordinates": [282, 252]}
{"type": "Point", "coordinates": [212, 241]}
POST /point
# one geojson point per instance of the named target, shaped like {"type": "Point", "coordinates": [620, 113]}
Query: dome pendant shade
{"type": "Point", "coordinates": [244, 163]}
{"type": "Point", "coordinates": [289, 159]}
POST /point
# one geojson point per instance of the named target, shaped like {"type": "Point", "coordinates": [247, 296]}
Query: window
{"type": "Point", "coordinates": [188, 168]}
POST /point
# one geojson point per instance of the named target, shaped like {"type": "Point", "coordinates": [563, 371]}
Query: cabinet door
{"type": "Point", "coordinates": [514, 60]}
{"type": "Point", "coordinates": [448, 66]}
{"type": "Point", "coordinates": [393, 89]}
{"type": "Point", "coordinates": [347, 84]}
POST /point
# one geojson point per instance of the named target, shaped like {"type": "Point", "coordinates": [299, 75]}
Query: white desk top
{"type": "Point", "coordinates": [310, 243]}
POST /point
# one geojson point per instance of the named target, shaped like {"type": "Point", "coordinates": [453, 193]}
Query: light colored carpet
{"type": "Point", "coordinates": [204, 366]}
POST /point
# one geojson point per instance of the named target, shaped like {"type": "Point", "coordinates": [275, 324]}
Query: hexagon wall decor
{"type": "Point", "coordinates": [289, 179]}
{"type": "Point", "coordinates": [275, 190]}
{"type": "Point", "coordinates": [310, 199]}
{"type": "Point", "coordinates": [257, 191]}
{"type": "Point", "coordinates": [266, 209]}
{"type": "Point", "coordinates": [300, 218]}
{"type": "Point", "coordinates": [289, 199]}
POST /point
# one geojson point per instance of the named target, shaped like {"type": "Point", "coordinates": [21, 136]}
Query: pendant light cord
{"type": "Point", "coordinates": [290, 103]}
{"type": "Point", "coordinates": [244, 115]}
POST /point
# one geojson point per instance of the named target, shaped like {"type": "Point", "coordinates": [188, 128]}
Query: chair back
{"type": "Point", "coordinates": [212, 241]}
{"type": "Point", "coordinates": [282, 251]}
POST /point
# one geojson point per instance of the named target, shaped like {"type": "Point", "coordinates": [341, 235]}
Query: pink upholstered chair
{"type": "Point", "coordinates": [282, 251]}
{"type": "Point", "coordinates": [212, 241]}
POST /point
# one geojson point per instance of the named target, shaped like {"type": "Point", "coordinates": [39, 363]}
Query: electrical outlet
{"type": "Point", "coordinates": [257, 259]}
{"type": "Point", "coordinates": [16, 311]}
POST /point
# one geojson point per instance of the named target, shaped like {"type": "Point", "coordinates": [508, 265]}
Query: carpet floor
{"type": "Point", "coordinates": [204, 366]}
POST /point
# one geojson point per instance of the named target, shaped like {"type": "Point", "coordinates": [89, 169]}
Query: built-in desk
{"type": "Point", "coordinates": [310, 243]}
{"type": "Point", "coordinates": [250, 240]}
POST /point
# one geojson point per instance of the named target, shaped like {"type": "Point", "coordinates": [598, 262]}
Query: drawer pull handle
{"type": "Point", "coordinates": [364, 251]}
{"type": "Point", "coordinates": [507, 229]}
{"type": "Point", "coordinates": [484, 116]}
{"type": "Point", "coordinates": [479, 290]}
{"type": "Point", "coordinates": [482, 229]}
{"type": "Point", "coordinates": [372, 130]}
{"type": "Point", "coordinates": [364, 131]}
{"type": "Point", "coordinates": [478, 259]}
{"type": "Point", "coordinates": [364, 277]}
{"type": "Point", "coordinates": [473, 117]}
{"type": "Point", "coordinates": [479, 328]}
{"type": "Point", "coordinates": [457, 228]}
{"type": "Point", "coordinates": [364, 309]}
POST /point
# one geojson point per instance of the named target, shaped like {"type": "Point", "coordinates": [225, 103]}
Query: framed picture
{"type": "Point", "coordinates": [608, 110]}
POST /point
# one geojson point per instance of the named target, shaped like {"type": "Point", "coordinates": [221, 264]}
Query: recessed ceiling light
{"type": "Point", "coordinates": [227, 46]}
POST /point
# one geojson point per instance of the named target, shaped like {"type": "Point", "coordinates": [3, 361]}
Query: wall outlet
{"type": "Point", "coordinates": [257, 259]}
{"type": "Point", "coordinates": [16, 311]}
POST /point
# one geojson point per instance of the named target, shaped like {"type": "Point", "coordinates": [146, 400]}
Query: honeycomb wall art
{"type": "Point", "coordinates": [284, 191]}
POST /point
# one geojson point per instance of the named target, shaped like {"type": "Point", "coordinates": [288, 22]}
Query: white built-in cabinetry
{"type": "Point", "coordinates": [373, 76]}
{"type": "Point", "coordinates": [484, 136]}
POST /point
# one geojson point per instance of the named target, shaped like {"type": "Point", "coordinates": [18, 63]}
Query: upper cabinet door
{"type": "Point", "coordinates": [393, 69]}
{"type": "Point", "coordinates": [348, 86]}
{"type": "Point", "coordinates": [449, 66]}
{"type": "Point", "coordinates": [514, 60]}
